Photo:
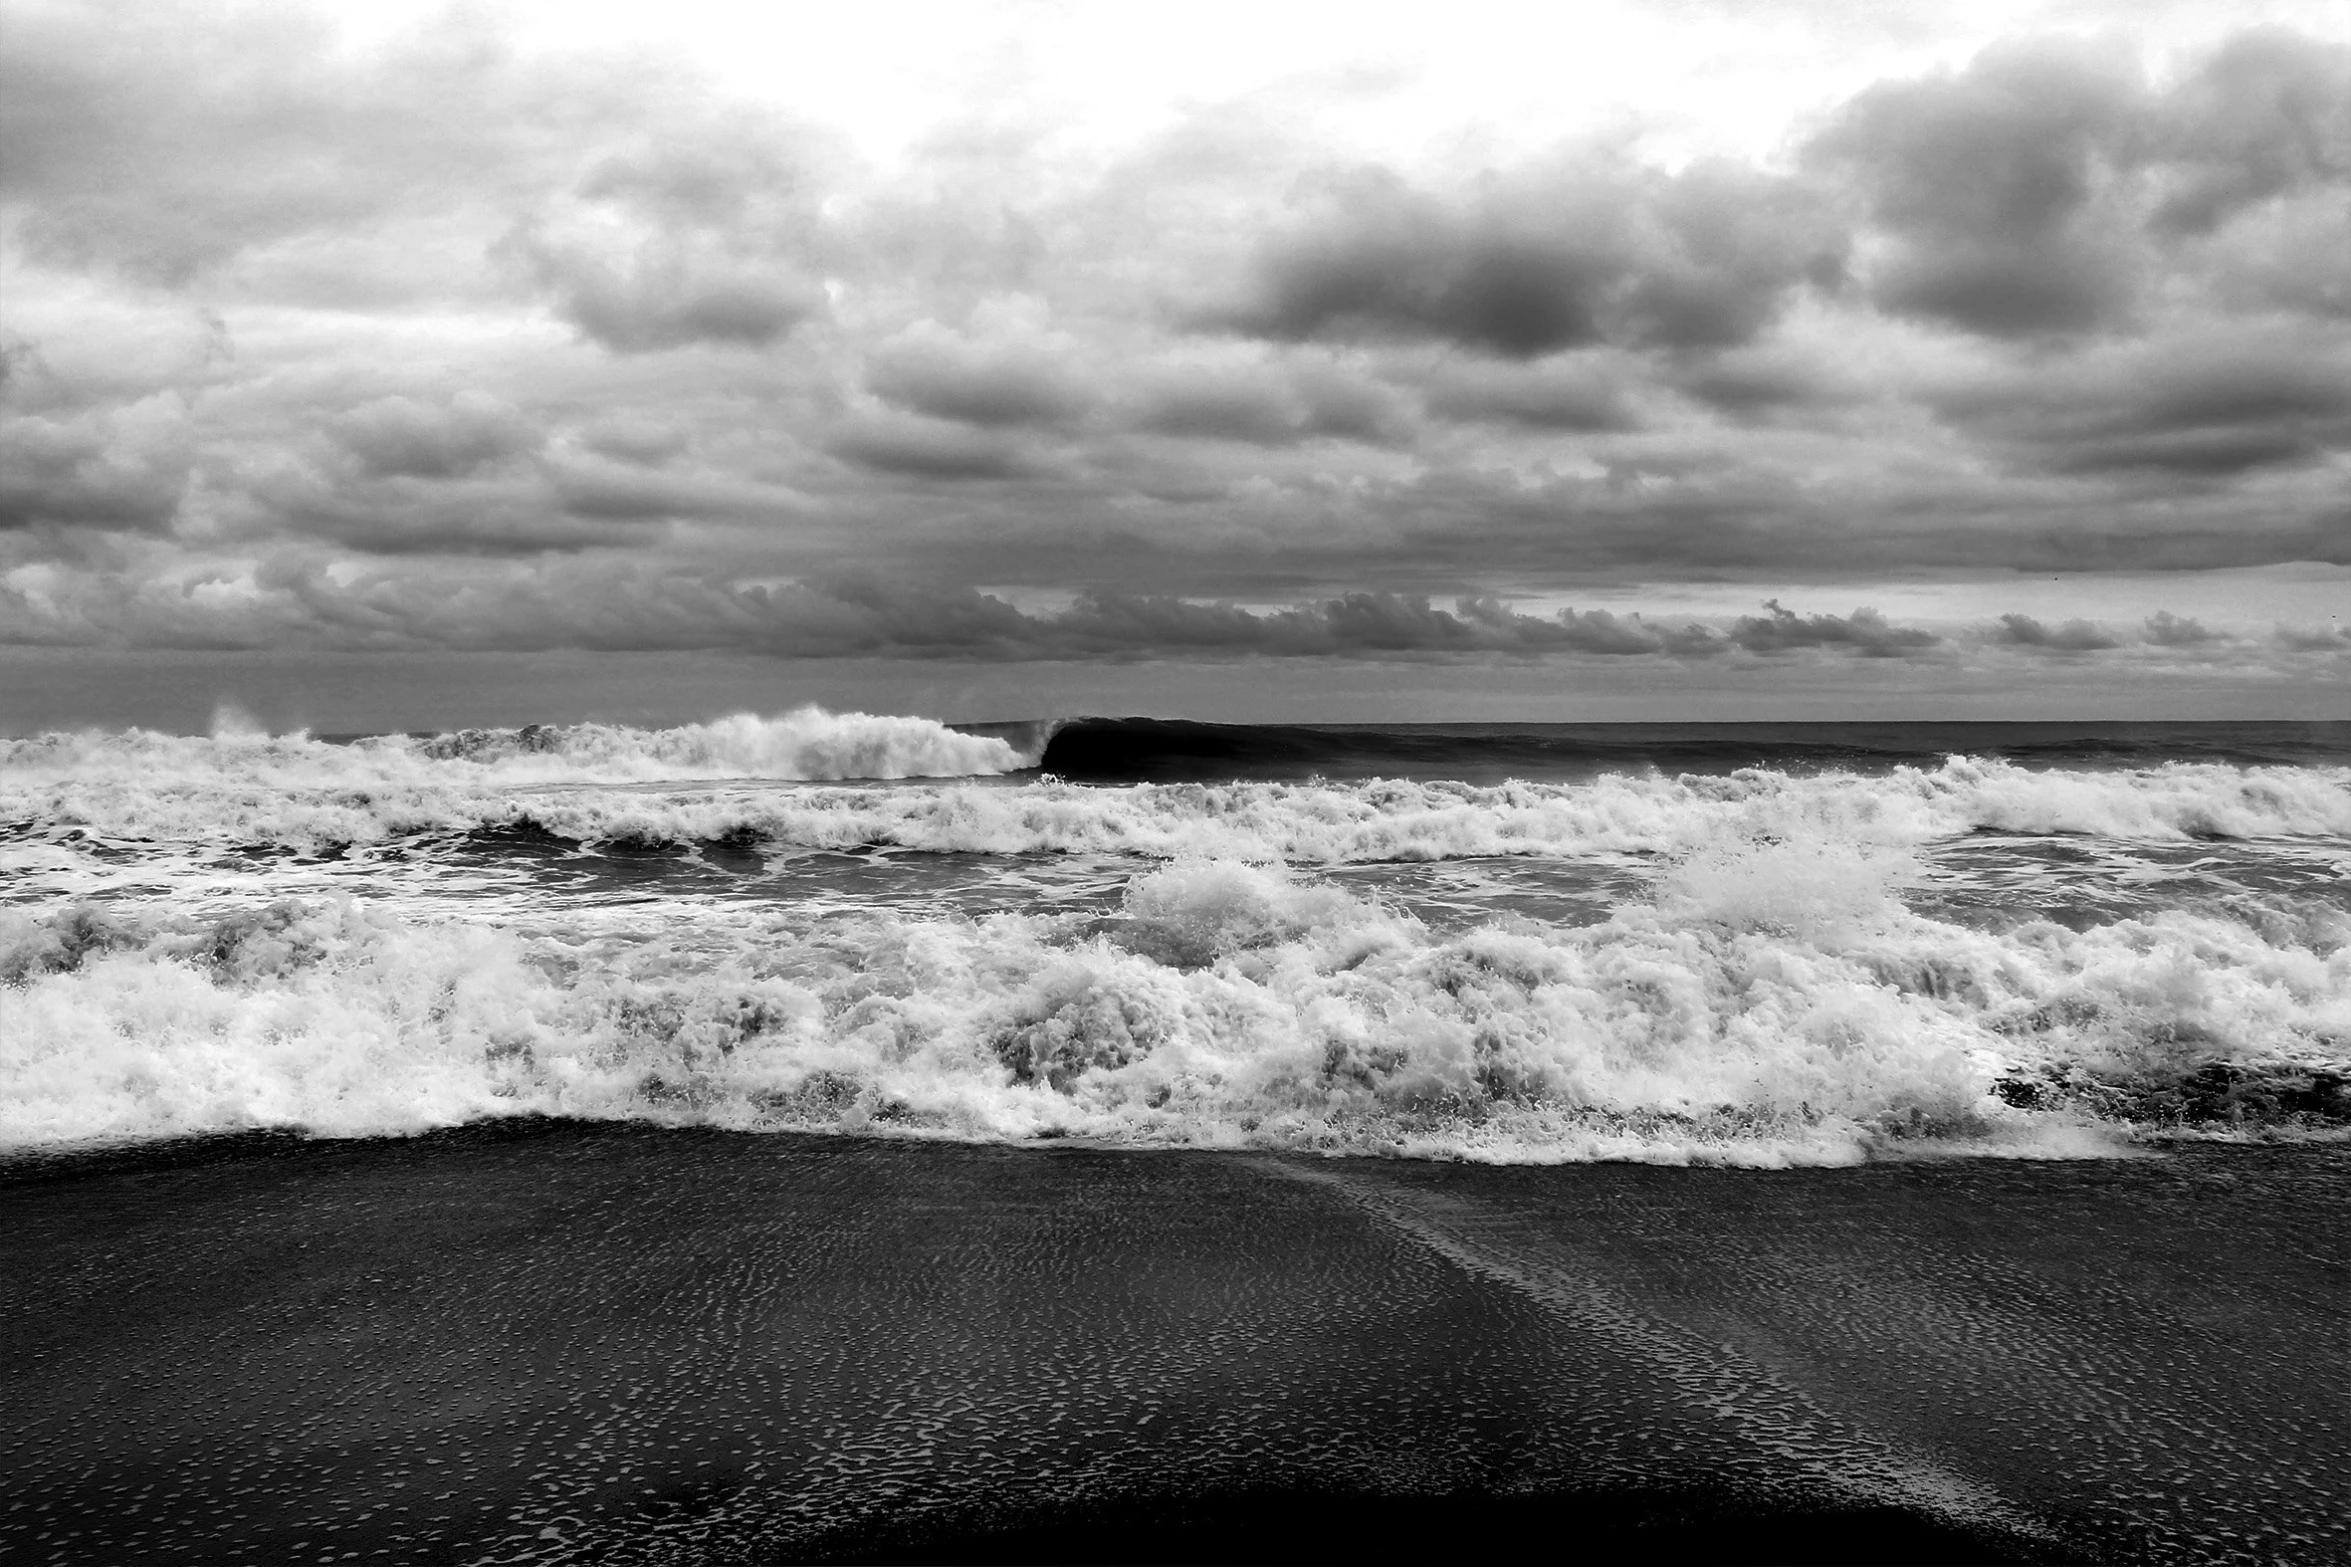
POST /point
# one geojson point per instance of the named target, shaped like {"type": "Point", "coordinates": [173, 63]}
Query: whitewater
{"type": "Point", "coordinates": [1535, 946]}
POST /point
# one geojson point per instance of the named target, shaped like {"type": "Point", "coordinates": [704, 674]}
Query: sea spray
{"type": "Point", "coordinates": [1222, 1004]}
{"type": "Point", "coordinates": [808, 742]}
{"type": "Point", "coordinates": [303, 794]}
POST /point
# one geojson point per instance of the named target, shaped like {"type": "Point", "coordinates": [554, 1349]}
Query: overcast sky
{"type": "Point", "coordinates": [416, 365]}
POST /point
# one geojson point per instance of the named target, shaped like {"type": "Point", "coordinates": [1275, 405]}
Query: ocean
{"type": "Point", "coordinates": [1725, 943]}
{"type": "Point", "coordinates": [838, 1137]}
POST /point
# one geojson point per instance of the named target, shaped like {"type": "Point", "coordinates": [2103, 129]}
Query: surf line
{"type": "Point", "coordinates": [1777, 1416]}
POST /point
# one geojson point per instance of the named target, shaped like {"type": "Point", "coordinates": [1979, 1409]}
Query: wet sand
{"type": "Point", "coordinates": [562, 1342]}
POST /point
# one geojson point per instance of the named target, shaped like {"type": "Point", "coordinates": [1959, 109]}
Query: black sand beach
{"type": "Point", "coordinates": [553, 1341]}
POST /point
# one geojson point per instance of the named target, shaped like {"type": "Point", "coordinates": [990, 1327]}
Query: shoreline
{"type": "Point", "coordinates": [565, 1341]}
{"type": "Point", "coordinates": [2116, 1142]}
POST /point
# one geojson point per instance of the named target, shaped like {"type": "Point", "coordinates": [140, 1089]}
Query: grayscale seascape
{"type": "Point", "coordinates": [1718, 927]}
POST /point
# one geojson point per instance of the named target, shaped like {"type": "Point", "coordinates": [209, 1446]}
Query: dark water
{"type": "Point", "coordinates": [1150, 750]}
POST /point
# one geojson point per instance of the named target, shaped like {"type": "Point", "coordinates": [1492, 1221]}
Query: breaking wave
{"type": "Point", "coordinates": [1816, 961]}
{"type": "Point", "coordinates": [1768, 1003]}
{"type": "Point", "coordinates": [301, 795]}
{"type": "Point", "coordinates": [1396, 819]}
{"type": "Point", "coordinates": [808, 743]}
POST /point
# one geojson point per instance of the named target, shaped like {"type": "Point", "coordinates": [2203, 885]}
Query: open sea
{"type": "Point", "coordinates": [835, 1137]}
{"type": "Point", "coordinates": [1737, 943]}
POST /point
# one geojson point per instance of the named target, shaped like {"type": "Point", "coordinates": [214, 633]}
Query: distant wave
{"type": "Point", "coordinates": [1385, 820]}
{"type": "Point", "coordinates": [303, 795]}
{"type": "Point", "coordinates": [808, 743]}
{"type": "Point", "coordinates": [1768, 1004]}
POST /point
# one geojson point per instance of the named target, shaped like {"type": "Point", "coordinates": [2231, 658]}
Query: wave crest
{"type": "Point", "coordinates": [808, 743]}
{"type": "Point", "coordinates": [1224, 1004]}
{"type": "Point", "coordinates": [300, 794]}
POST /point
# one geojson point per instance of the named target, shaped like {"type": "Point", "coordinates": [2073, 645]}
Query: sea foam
{"type": "Point", "coordinates": [806, 743]}
{"type": "Point", "coordinates": [303, 795]}
{"type": "Point", "coordinates": [1771, 1004]}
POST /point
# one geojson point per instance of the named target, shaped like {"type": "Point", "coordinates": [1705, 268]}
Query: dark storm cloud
{"type": "Point", "coordinates": [1358, 624]}
{"type": "Point", "coordinates": [122, 468]}
{"type": "Point", "coordinates": [1986, 182]}
{"type": "Point", "coordinates": [2211, 405]}
{"type": "Point", "coordinates": [2165, 629]}
{"type": "Point", "coordinates": [2074, 636]}
{"type": "Point", "coordinates": [2267, 114]}
{"type": "Point", "coordinates": [403, 436]}
{"type": "Point", "coordinates": [593, 486]}
{"type": "Point", "coordinates": [402, 516]}
{"type": "Point", "coordinates": [1539, 261]}
{"type": "Point", "coordinates": [2192, 453]}
{"type": "Point", "coordinates": [2019, 195]}
{"type": "Point", "coordinates": [1224, 409]}
{"type": "Point", "coordinates": [1266, 405]}
{"type": "Point", "coordinates": [663, 294]}
{"type": "Point", "coordinates": [398, 476]}
{"type": "Point", "coordinates": [1766, 381]}
{"type": "Point", "coordinates": [611, 602]}
{"type": "Point", "coordinates": [932, 371]}
{"type": "Point", "coordinates": [1865, 632]}
{"type": "Point", "coordinates": [1593, 393]}
{"type": "Point", "coordinates": [930, 449]}
{"type": "Point", "coordinates": [2176, 637]}
{"type": "Point", "coordinates": [712, 236]}
{"type": "Point", "coordinates": [1438, 525]}
{"type": "Point", "coordinates": [615, 605]}
{"type": "Point", "coordinates": [633, 438]}
{"type": "Point", "coordinates": [2315, 640]}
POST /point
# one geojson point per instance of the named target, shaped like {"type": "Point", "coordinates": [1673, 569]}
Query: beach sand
{"type": "Point", "coordinates": [549, 1341]}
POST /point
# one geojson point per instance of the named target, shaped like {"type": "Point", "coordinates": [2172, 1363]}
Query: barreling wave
{"type": "Point", "coordinates": [1153, 750]}
{"type": "Point", "coordinates": [1770, 1003]}
{"type": "Point", "coordinates": [135, 795]}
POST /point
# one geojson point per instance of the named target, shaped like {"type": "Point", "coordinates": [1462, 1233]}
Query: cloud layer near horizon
{"type": "Point", "coordinates": [511, 608]}
{"type": "Point", "coordinates": [447, 344]}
